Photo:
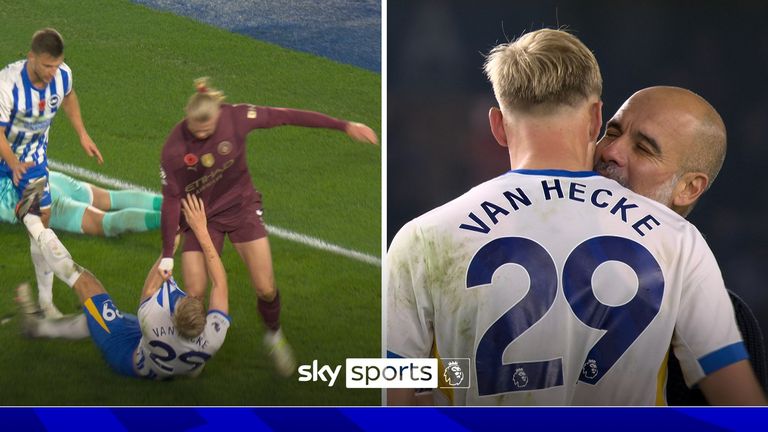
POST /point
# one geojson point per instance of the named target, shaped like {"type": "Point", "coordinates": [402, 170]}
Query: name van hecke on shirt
{"type": "Point", "coordinates": [556, 189]}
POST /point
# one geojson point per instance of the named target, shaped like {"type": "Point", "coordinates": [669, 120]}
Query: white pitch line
{"type": "Point", "coordinates": [283, 233]}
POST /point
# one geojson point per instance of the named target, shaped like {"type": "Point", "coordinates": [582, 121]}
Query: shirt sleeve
{"type": "Point", "coordinates": [410, 313]}
{"type": "Point", "coordinates": [170, 213]}
{"type": "Point", "coordinates": [216, 326]}
{"type": "Point", "coordinates": [706, 336]}
{"type": "Point", "coordinates": [66, 77]}
{"type": "Point", "coordinates": [6, 99]}
{"type": "Point", "coordinates": [250, 117]}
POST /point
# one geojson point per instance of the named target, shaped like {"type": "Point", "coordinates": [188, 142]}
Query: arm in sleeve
{"type": "Point", "coordinates": [170, 213]}
{"type": "Point", "coordinates": [257, 117]}
{"type": "Point", "coordinates": [706, 336]}
{"type": "Point", "coordinates": [6, 105]}
{"type": "Point", "coordinates": [217, 324]}
{"type": "Point", "coordinates": [6, 102]}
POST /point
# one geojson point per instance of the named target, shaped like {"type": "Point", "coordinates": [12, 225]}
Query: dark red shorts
{"type": "Point", "coordinates": [244, 225]}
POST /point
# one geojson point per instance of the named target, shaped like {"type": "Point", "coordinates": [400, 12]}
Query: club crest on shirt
{"type": "Point", "coordinates": [53, 102]}
{"type": "Point", "coordinates": [207, 160]}
{"type": "Point", "coordinates": [225, 147]}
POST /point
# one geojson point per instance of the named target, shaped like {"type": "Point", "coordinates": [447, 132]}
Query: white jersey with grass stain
{"type": "Point", "coordinates": [562, 288]}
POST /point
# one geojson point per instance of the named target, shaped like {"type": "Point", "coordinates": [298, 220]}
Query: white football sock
{"type": "Point", "coordinates": [43, 273]}
{"type": "Point", "coordinates": [34, 225]}
{"type": "Point", "coordinates": [58, 257]}
{"type": "Point", "coordinates": [66, 327]}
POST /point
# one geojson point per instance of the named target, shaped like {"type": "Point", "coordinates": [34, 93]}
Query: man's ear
{"type": "Point", "coordinates": [596, 120]}
{"type": "Point", "coordinates": [496, 118]}
{"type": "Point", "coordinates": [689, 188]}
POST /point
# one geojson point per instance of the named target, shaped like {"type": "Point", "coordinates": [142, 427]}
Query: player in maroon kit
{"type": "Point", "coordinates": [205, 155]}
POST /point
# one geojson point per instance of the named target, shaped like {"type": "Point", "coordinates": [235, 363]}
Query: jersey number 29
{"type": "Point", "coordinates": [622, 324]}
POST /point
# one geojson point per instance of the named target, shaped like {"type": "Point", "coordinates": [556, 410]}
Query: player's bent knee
{"type": "Point", "coordinates": [88, 286]}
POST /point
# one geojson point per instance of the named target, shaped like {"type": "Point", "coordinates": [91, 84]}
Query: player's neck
{"type": "Point", "coordinates": [563, 146]}
{"type": "Point", "coordinates": [34, 79]}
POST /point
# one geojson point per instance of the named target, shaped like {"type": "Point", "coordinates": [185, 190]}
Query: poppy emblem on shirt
{"type": "Point", "coordinates": [41, 105]}
{"type": "Point", "coordinates": [207, 160]}
{"type": "Point", "coordinates": [225, 147]}
{"type": "Point", "coordinates": [190, 159]}
{"type": "Point", "coordinates": [53, 102]}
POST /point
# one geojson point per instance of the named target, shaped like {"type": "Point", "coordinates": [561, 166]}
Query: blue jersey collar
{"type": "Point", "coordinates": [554, 172]}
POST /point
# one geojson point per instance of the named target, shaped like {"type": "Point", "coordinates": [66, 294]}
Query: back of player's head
{"type": "Point", "coordinates": [543, 70]}
{"type": "Point", "coordinates": [204, 103]}
{"type": "Point", "coordinates": [189, 316]}
{"type": "Point", "coordinates": [47, 41]}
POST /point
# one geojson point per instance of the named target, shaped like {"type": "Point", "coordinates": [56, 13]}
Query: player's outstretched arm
{"type": "Point", "coordinates": [734, 384]}
{"type": "Point", "coordinates": [154, 279]}
{"type": "Point", "coordinates": [170, 214]}
{"type": "Point", "coordinates": [72, 109]}
{"type": "Point", "coordinates": [194, 212]}
{"type": "Point", "coordinates": [268, 117]}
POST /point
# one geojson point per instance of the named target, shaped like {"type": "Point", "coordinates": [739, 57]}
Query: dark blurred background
{"type": "Point", "coordinates": [439, 142]}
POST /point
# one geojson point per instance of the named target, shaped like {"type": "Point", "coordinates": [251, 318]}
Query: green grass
{"type": "Point", "coordinates": [133, 70]}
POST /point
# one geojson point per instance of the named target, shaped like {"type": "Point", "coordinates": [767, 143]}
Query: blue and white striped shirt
{"type": "Point", "coordinates": [26, 112]}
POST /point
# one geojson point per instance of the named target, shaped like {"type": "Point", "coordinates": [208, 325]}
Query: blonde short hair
{"type": "Point", "coordinates": [205, 102]}
{"type": "Point", "coordinates": [543, 70]}
{"type": "Point", "coordinates": [189, 316]}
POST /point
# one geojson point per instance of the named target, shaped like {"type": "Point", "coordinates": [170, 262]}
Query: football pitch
{"type": "Point", "coordinates": [133, 70]}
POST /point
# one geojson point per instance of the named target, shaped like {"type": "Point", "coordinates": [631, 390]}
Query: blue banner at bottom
{"type": "Point", "coordinates": [381, 419]}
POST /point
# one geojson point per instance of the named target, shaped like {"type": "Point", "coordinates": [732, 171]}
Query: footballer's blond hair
{"type": "Point", "coordinates": [541, 71]}
{"type": "Point", "coordinates": [189, 316]}
{"type": "Point", "coordinates": [205, 102]}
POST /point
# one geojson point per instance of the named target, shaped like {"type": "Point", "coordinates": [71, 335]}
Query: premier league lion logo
{"type": "Point", "coordinates": [453, 374]}
{"type": "Point", "coordinates": [590, 369]}
{"type": "Point", "coordinates": [520, 378]}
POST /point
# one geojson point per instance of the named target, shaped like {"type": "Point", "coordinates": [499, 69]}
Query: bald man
{"type": "Point", "coordinates": [668, 144]}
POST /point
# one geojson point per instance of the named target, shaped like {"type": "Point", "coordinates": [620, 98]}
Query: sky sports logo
{"type": "Point", "coordinates": [392, 373]}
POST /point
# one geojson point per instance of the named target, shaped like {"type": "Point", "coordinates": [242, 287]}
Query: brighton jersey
{"type": "Point", "coordinates": [162, 352]}
{"type": "Point", "coordinates": [26, 112]}
{"type": "Point", "coordinates": [561, 288]}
